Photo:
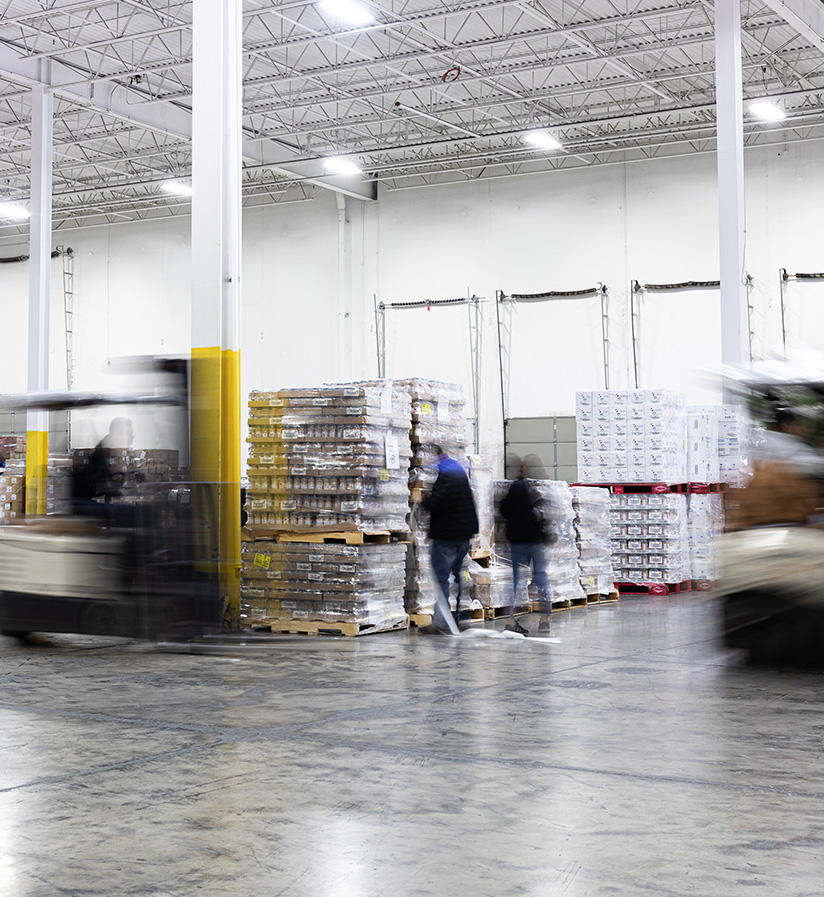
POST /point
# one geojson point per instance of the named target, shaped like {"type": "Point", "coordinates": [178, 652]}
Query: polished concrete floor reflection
{"type": "Point", "coordinates": [632, 756]}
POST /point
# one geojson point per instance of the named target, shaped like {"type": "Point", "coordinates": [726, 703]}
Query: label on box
{"type": "Point", "coordinates": [349, 506]}
{"type": "Point", "coordinates": [299, 471]}
{"type": "Point", "coordinates": [288, 505]}
{"type": "Point", "coordinates": [322, 403]}
{"type": "Point", "coordinates": [426, 408]}
{"type": "Point", "coordinates": [384, 474]}
{"type": "Point", "coordinates": [262, 560]}
{"type": "Point", "coordinates": [348, 568]}
{"type": "Point", "coordinates": [276, 403]}
{"type": "Point", "coordinates": [350, 392]}
{"type": "Point", "coordinates": [304, 568]}
{"type": "Point", "coordinates": [351, 432]}
{"type": "Point", "coordinates": [353, 410]}
{"type": "Point", "coordinates": [291, 433]}
{"type": "Point", "coordinates": [393, 460]}
{"type": "Point", "coordinates": [315, 577]}
{"type": "Point", "coordinates": [299, 449]}
{"type": "Point", "coordinates": [317, 558]}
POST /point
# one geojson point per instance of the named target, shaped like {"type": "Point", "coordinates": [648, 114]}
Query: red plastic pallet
{"type": "Point", "coordinates": [653, 588]}
{"type": "Point", "coordinates": [674, 488]}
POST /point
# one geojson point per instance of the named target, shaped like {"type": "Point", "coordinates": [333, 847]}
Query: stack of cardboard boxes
{"type": "Point", "coordinates": [592, 533]}
{"type": "Point", "coordinates": [636, 436]}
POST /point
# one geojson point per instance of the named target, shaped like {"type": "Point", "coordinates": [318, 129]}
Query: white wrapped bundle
{"type": "Point", "coordinates": [592, 528]}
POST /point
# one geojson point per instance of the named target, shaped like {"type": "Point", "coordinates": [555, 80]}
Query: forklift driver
{"type": "Point", "coordinates": [102, 477]}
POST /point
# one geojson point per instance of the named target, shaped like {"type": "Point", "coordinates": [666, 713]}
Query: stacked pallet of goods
{"type": "Point", "coordinates": [631, 437]}
{"type": "Point", "coordinates": [437, 420]}
{"type": "Point", "coordinates": [562, 554]}
{"type": "Point", "coordinates": [650, 541]}
{"type": "Point", "coordinates": [13, 479]}
{"type": "Point", "coordinates": [328, 500]}
{"type": "Point", "coordinates": [592, 532]}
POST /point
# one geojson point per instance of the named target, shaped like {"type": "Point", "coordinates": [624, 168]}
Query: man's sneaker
{"type": "Point", "coordinates": [543, 625]}
{"type": "Point", "coordinates": [515, 626]}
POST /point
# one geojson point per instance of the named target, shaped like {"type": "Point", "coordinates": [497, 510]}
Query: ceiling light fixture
{"type": "Point", "coordinates": [766, 110]}
{"type": "Point", "coordinates": [542, 140]}
{"type": "Point", "coordinates": [340, 165]}
{"type": "Point", "coordinates": [348, 11]}
{"type": "Point", "coordinates": [177, 188]}
{"type": "Point", "coordinates": [14, 210]}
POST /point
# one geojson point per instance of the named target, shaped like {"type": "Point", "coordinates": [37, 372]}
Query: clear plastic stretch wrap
{"type": "Point", "coordinates": [706, 523]}
{"type": "Point", "coordinates": [562, 554]}
{"type": "Point", "coordinates": [327, 582]}
{"type": "Point", "coordinates": [483, 489]}
{"type": "Point", "coordinates": [492, 586]}
{"type": "Point", "coordinates": [592, 529]}
{"type": "Point", "coordinates": [650, 538]}
{"type": "Point", "coordinates": [329, 458]}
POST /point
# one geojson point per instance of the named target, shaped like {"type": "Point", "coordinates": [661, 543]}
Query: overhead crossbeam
{"type": "Point", "coordinates": [169, 118]}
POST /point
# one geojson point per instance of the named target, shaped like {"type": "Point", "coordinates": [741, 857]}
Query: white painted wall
{"type": "Point", "coordinates": [654, 222]}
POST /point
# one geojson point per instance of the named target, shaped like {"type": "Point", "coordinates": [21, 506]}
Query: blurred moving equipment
{"type": "Point", "coordinates": [141, 569]}
{"type": "Point", "coordinates": [773, 551]}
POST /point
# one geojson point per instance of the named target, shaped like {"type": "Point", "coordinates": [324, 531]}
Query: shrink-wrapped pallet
{"type": "Point", "coordinates": [592, 532]}
{"type": "Point", "coordinates": [333, 458]}
{"type": "Point", "coordinates": [650, 538]}
{"type": "Point", "coordinates": [331, 583]}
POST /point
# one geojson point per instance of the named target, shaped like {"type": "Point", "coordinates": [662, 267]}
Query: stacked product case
{"type": "Point", "coordinates": [592, 531]}
{"type": "Point", "coordinates": [329, 583]}
{"type": "Point", "coordinates": [650, 538]}
{"type": "Point", "coordinates": [636, 436]}
{"type": "Point", "coordinates": [333, 460]}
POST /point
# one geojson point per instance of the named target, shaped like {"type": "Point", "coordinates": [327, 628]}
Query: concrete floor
{"type": "Point", "coordinates": [633, 757]}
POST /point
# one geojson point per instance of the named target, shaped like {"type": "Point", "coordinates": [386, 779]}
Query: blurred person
{"type": "Point", "coordinates": [786, 442]}
{"type": "Point", "coordinates": [103, 475]}
{"type": "Point", "coordinates": [453, 520]}
{"type": "Point", "coordinates": [528, 532]}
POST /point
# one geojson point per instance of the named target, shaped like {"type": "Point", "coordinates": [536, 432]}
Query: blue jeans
{"type": "Point", "coordinates": [524, 554]}
{"type": "Point", "coordinates": [447, 557]}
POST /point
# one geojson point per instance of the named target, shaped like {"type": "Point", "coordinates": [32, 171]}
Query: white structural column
{"type": "Point", "coordinates": [216, 262]}
{"type": "Point", "coordinates": [40, 226]}
{"type": "Point", "coordinates": [343, 314]}
{"type": "Point", "coordinates": [731, 213]}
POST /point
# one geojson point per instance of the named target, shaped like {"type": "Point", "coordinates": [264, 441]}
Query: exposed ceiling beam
{"type": "Point", "coordinates": [806, 16]}
{"type": "Point", "coordinates": [167, 118]}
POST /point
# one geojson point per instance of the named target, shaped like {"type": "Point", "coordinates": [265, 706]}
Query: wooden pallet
{"type": "Point", "coordinates": [498, 613]}
{"type": "Point", "coordinates": [348, 537]}
{"type": "Point", "coordinates": [583, 601]}
{"type": "Point", "coordinates": [599, 598]}
{"type": "Point", "coordinates": [320, 627]}
{"type": "Point", "coordinates": [419, 620]}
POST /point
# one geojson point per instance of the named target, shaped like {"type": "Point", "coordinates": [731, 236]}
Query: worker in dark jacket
{"type": "Point", "coordinates": [528, 531]}
{"type": "Point", "coordinates": [452, 523]}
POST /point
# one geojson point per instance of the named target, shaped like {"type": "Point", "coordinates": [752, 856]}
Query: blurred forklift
{"type": "Point", "coordinates": [135, 551]}
{"type": "Point", "coordinates": [773, 549]}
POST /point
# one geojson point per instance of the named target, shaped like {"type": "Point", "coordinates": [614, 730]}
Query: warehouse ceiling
{"type": "Point", "coordinates": [426, 92]}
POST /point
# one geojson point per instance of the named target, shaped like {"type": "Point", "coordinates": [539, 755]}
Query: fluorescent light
{"type": "Point", "coordinates": [177, 188]}
{"type": "Point", "coordinates": [767, 110]}
{"type": "Point", "coordinates": [14, 210]}
{"type": "Point", "coordinates": [341, 165]}
{"type": "Point", "coordinates": [348, 11]}
{"type": "Point", "coordinates": [542, 140]}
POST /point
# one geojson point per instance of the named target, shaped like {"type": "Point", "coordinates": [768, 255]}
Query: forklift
{"type": "Point", "coordinates": [141, 568]}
